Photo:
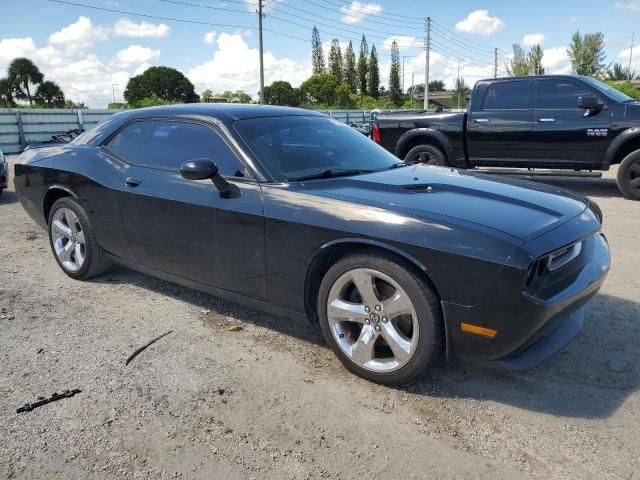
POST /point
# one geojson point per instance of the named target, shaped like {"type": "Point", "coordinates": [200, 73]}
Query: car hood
{"type": "Point", "coordinates": [516, 207]}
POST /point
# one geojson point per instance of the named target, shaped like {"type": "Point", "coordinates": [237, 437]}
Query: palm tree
{"type": "Point", "coordinates": [6, 93]}
{"type": "Point", "coordinates": [23, 72]}
{"type": "Point", "coordinates": [50, 95]}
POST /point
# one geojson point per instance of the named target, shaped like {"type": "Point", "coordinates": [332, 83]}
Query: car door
{"type": "Point", "coordinates": [499, 128]}
{"type": "Point", "coordinates": [563, 134]}
{"type": "Point", "coordinates": [187, 227]}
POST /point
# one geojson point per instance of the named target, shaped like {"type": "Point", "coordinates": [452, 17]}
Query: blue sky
{"type": "Point", "coordinates": [88, 51]}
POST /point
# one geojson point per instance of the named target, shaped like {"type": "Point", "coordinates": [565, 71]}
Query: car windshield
{"type": "Point", "coordinates": [293, 147]}
{"type": "Point", "coordinates": [612, 93]}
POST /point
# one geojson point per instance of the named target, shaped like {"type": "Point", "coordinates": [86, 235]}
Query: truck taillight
{"type": "Point", "coordinates": [375, 134]}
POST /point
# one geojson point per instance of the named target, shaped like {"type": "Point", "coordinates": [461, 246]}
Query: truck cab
{"type": "Point", "coordinates": [551, 121]}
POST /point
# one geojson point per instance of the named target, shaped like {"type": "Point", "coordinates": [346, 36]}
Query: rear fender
{"type": "Point", "coordinates": [431, 136]}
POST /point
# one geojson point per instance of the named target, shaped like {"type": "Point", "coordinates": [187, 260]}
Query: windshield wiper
{"type": "Point", "coordinates": [334, 172]}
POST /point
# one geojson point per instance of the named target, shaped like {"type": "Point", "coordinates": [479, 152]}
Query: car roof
{"type": "Point", "coordinates": [223, 111]}
{"type": "Point", "coordinates": [557, 75]}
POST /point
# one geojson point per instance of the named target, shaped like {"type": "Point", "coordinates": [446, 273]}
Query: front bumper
{"type": "Point", "coordinates": [535, 325]}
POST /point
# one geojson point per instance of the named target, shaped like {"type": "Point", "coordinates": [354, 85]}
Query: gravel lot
{"type": "Point", "coordinates": [271, 401]}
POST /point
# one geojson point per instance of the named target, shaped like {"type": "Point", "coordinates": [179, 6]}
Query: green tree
{"type": "Point", "coordinates": [535, 59]}
{"type": "Point", "coordinates": [335, 60]}
{"type": "Point", "coordinates": [362, 66]}
{"type": "Point", "coordinates": [395, 92]}
{"type": "Point", "coordinates": [618, 72]}
{"type": "Point", "coordinates": [626, 87]}
{"type": "Point", "coordinates": [344, 97]}
{"type": "Point", "coordinates": [373, 74]}
{"type": "Point", "coordinates": [6, 93]}
{"type": "Point", "coordinates": [206, 96]}
{"type": "Point", "coordinates": [519, 66]}
{"type": "Point", "coordinates": [238, 96]}
{"type": "Point", "coordinates": [320, 89]}
{"type": "Point", "coordinates": [24, 74]}
{"type": "Point", "coordinates": [281, 93]}
{"type": "Point", "coordinates": [163, 83]}
{"type": "Point", "coordinates": [587, 53]}
{"type": "Point", "coordinates": [349, 73]}
{"type": "Point", "coordinates": [50, 95]}
{"type": "Point", "coordinates": [434, 86]}
{"type": "Point", "coordinates": [461, 93]}
{"type": "Point", "coordinates": [317, 55]}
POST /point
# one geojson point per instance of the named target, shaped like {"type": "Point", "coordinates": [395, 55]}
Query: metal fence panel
{"type": "Point", "coordinates": [39, 124]}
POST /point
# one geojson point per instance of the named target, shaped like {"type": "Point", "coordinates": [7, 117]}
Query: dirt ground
{"type": "Point", "coordinates": [270, 401]}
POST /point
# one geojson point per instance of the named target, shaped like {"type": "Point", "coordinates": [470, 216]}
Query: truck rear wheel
{"type": "Point", "coordinates": [428, 154]}
{"type": "Point", "coordinates": [629, 176]}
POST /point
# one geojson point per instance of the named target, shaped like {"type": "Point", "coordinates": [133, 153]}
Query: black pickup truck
{"type": "Point", "coordinates": [552, 121]}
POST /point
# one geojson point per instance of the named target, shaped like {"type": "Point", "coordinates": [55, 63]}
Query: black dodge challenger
{"type": "Point", "coordinates": [289, 211]}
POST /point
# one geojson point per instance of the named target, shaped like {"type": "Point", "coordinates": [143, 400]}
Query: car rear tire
{"type": "Point", "coordinates": [380, 318]}
{"type": "Point", "coordinates": [629, 176]}
{"type": "Point", "coordinates": [427, 154]}
{"type": "Point", "coordinates": [73, 241]}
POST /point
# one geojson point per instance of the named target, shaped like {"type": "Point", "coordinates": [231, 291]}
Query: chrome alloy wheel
{"type": "Point", "coordinates": [68, 239]}
{"type": "Point", "coordinates": [373, 320]}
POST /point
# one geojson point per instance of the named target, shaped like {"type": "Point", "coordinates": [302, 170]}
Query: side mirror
{"type": "Point", "coordinates": [203, 168]}
{"type": "Point", "coordinates": [198, 169]}
{"type": "Point", "coordinates": [589, 102]}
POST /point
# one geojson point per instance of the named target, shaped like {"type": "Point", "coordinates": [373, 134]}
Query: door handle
{"type": "Point", "coordinates": [481, 120]}
{"type": "Point", "coordinates": [132, 182]}
{"type": "Point", "coordinates": [547, 120]}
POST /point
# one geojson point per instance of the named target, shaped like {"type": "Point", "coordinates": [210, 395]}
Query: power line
{"type": "Point", "coordinates": [364, 19]}
{"type": "Point", "coordinates": [461, 37]}
{"type": "Point", "coordinates": [375, 12]}
{"type": "Point", "coordinates": [280, 5]}
{"type": "Point", "coordinates": [177, 2]}
{"type": "Point", "coordinates": [173, 19]}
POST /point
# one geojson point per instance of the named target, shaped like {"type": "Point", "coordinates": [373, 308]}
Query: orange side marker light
{"type": "Point", "coordinates": [485, 332]}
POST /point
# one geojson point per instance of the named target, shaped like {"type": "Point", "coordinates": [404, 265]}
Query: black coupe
{"type": "Point", "coordinates": [292, 212]}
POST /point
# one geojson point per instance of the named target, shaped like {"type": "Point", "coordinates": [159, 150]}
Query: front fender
{"type": "Point", "coordinates": [624, 137]}
{"type": "Point", "coordinates": [430, 134]}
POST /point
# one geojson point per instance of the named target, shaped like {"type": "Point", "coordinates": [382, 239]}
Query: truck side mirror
{"type": "Point", "coordinates": [589, 102]}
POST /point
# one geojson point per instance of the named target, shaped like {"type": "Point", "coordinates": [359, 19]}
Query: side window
{"type": "Point", "coordinates": [507, 96]}
{"type": "Point", "coordinates": [167, 144]}
{"type": "Point", "coordinates": [126, 143]}
{"type": "Point", "coordinates": [558, 94]}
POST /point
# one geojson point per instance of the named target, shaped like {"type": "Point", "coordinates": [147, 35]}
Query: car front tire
{"type": "Point", "coordinates": [380, 317]}
{"type": "Point", "coordinates": [73, 241]}
{"type": "Point", "coordinates": [629, 176]}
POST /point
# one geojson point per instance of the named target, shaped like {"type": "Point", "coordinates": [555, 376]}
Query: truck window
{"type": "Point", "coordinates": [559, 93]}
{"type": "Point", "coordinates": [507, 96]}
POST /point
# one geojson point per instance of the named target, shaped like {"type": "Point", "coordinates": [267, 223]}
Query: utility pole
{"type": "Point", "coordinates": [458, 85]}
{"type": "Point", "coordinates": [631, 54]}
{"type": "Point", "coordinates": [113, 90]}
{"type": "Point", "coordinates": [495, 62]}
{"type": "Point", "coordinates": [412, 88]}
{"type": "Point", "coordinates": [427, 47]}
{"type": "Point", "coordinates": [261, 53]}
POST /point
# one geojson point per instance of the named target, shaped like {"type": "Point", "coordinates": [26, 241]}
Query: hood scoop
{"type": "Point", "coordinates": [422, 188]}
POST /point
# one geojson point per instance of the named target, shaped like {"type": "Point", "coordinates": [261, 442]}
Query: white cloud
{"type": "Point", "coordinates": [356, 11]}
{"type": "Point", "coordinates": [141, 69]}
{"type": "Point", "coordinates": [234, 66]}
{"type": "Point", "coordinates": [631, 6]}
{"type": "Point", "coordinates": [209, 38]}
{"type": "Point", "coordinates": [127, 28]}
{"type": "Point", "coordinates": [480, 23]}
{"type": "Point", "coordinates": [404, 41]}
{"type": "Point", "coordinates": [556, 60]}
{"type": "Point", "coordinates": [78, 36]}
{"type": "Point", "coordinates": [533, 39]}
{"type": "Point", "coordinates": [136, 54]}
{"type": "Point", "coordinates": [624, 56]}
